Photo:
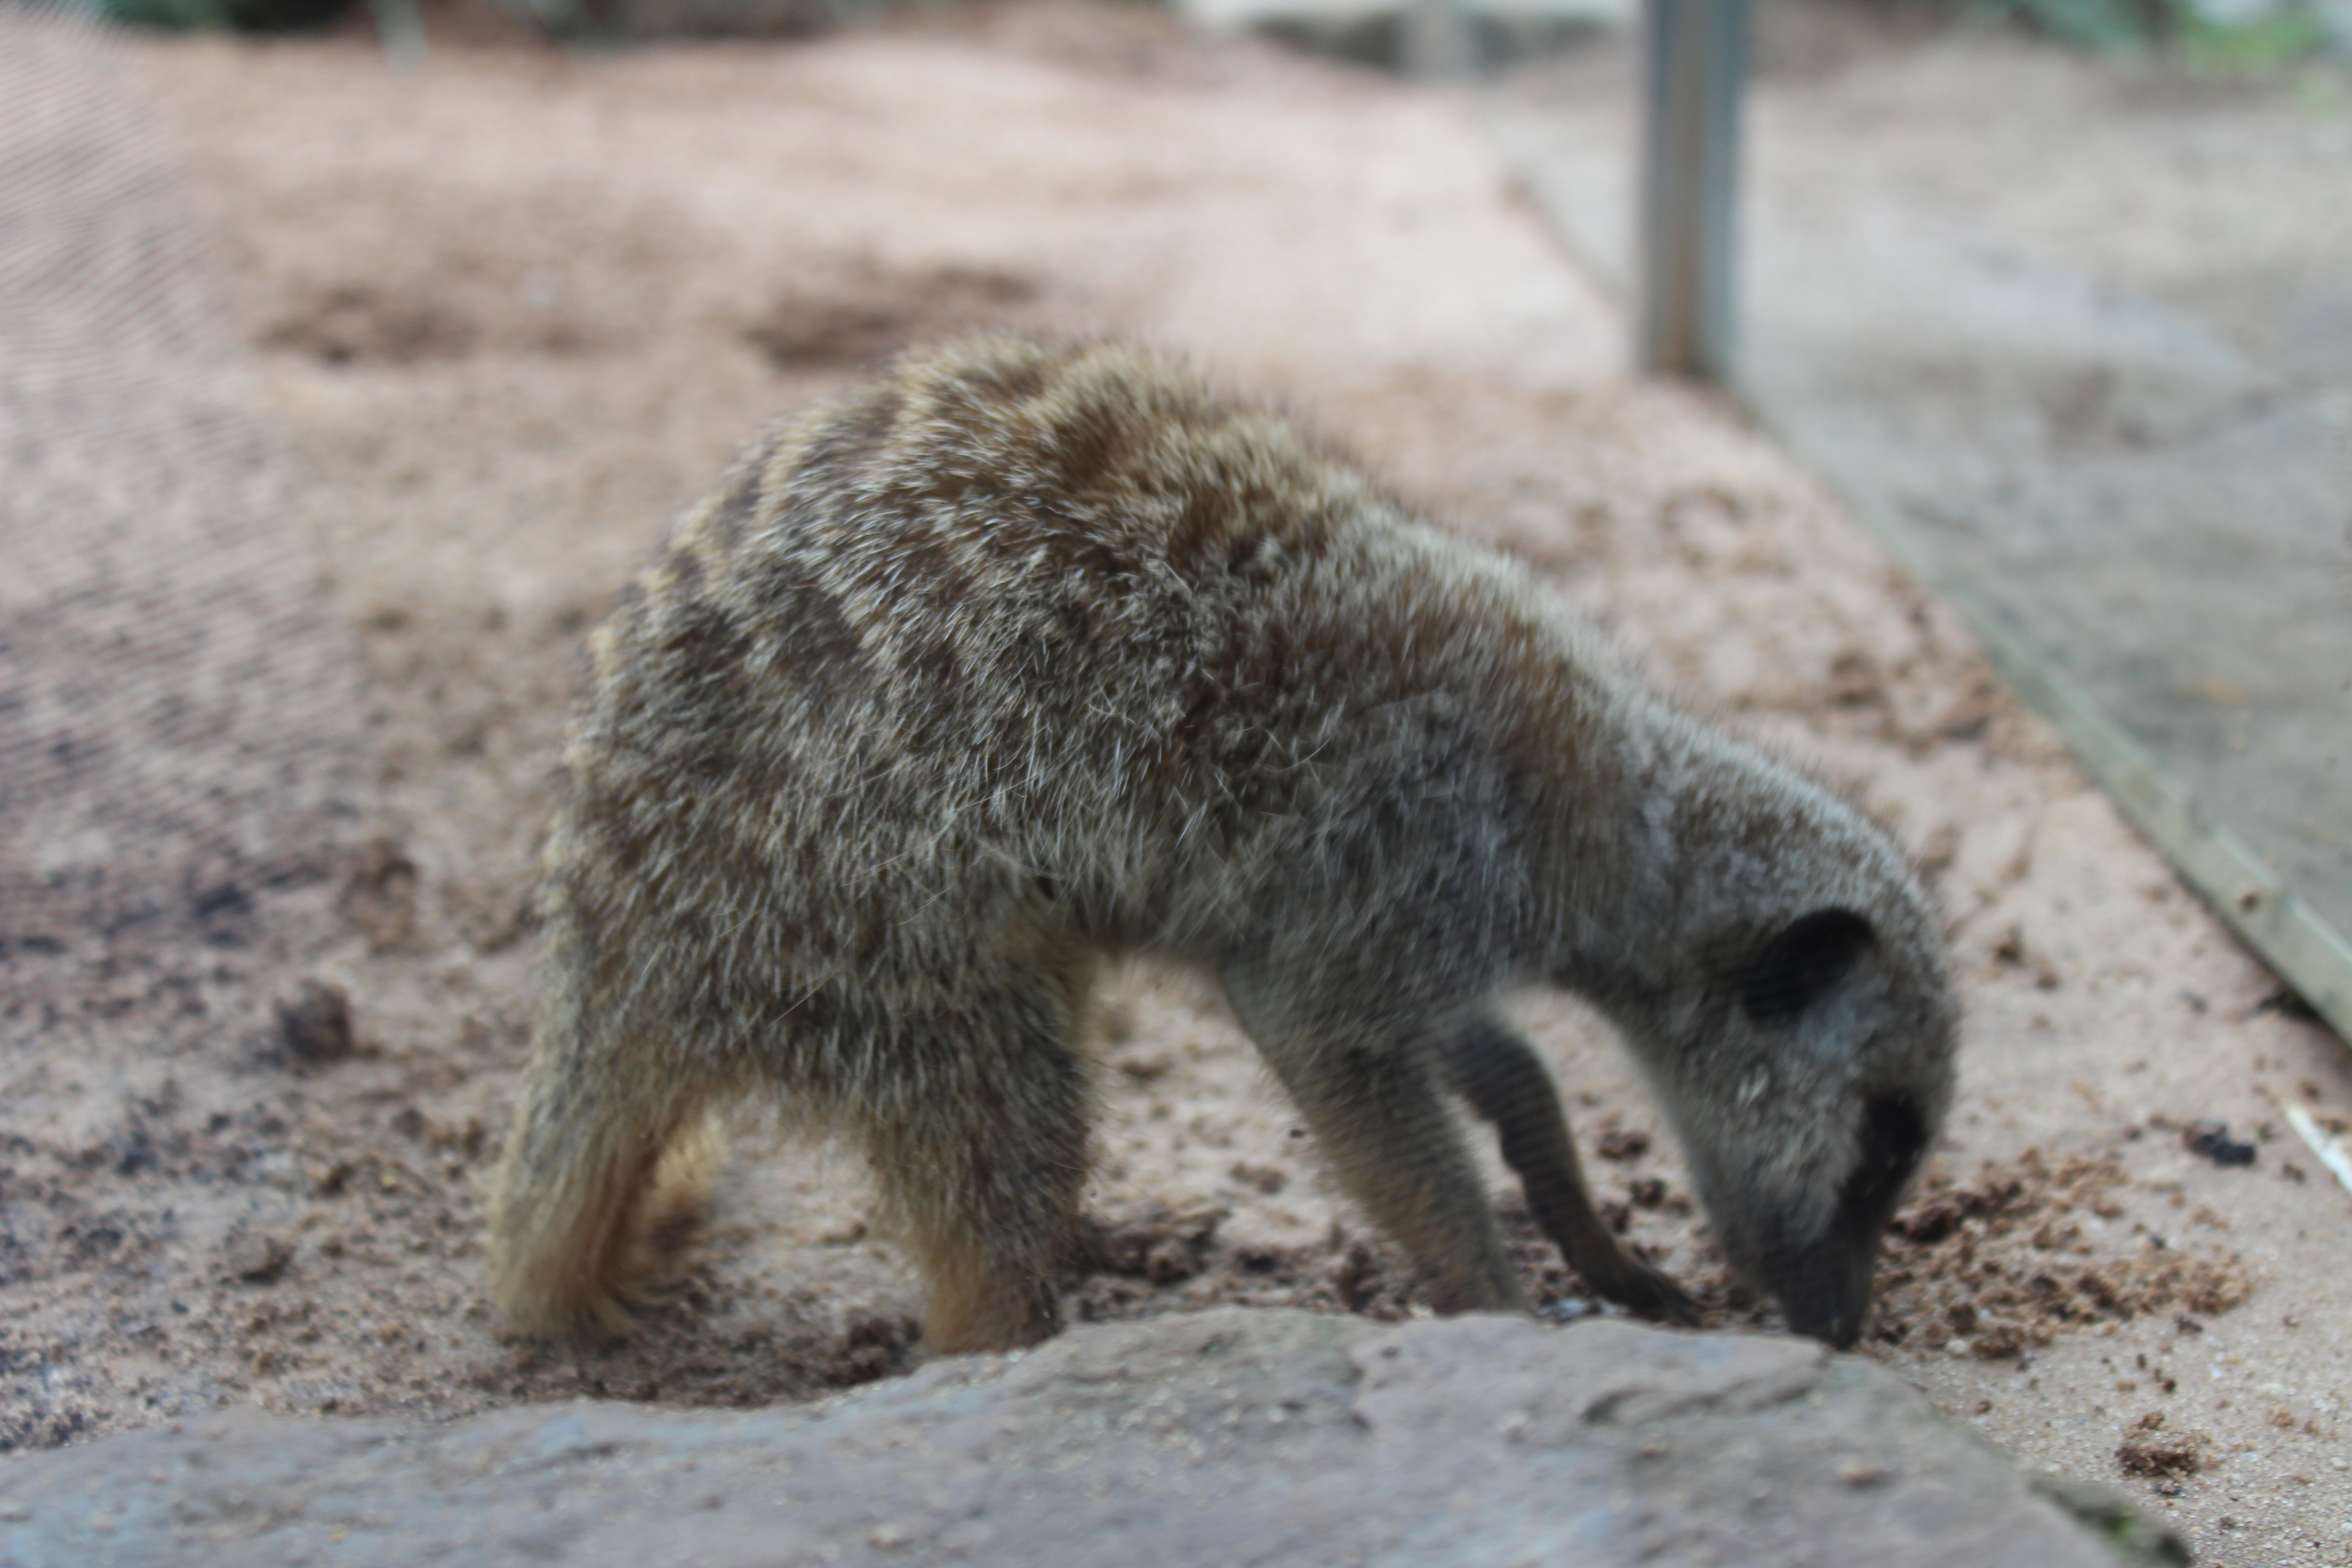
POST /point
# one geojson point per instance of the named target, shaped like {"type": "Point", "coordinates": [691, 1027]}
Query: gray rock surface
{"type": "Point", "coordinates": [1227, 1438]}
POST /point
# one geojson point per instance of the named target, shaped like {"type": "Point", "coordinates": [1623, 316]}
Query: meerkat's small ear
{"type": "Point", "coordinates": [1808, 956]}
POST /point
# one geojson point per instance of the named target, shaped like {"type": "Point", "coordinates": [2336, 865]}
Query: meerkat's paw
{"type": "Point", "coordinates": [556, 1300]}
{"type": "Point", "coordinates": [1010, 1320]}
{"type": "Point", "coordinates": [581, 1288]}
{"type": "Point", "coordinates": [1649, 1292]}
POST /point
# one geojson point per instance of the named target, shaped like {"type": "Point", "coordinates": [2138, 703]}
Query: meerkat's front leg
{"type": "Point", "coordinates": [1504, 1081]}
{"type": "Point", "coordinates": [1379, 1120]}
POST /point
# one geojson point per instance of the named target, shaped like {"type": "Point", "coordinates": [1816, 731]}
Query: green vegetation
{"type": "Point", "coordinates": [200, 15]}
{"type": "Point", "coordinates": [183, 15]}
{"type": "Point", "coordinates": [2190, 31]}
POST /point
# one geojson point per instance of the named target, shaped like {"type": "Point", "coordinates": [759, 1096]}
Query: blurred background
{"type": "Point", "coordinates": [352, 356]}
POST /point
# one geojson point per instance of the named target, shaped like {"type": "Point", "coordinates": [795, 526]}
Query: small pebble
{"type": "Point", "coordinates": [2211, 1138]}
{"type": "Point", "coordinates": [316, 1025]}
{"type": "Point", "coordinates": [258, 1259]}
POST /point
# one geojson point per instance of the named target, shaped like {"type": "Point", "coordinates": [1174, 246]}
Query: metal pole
{"type": "Point", "coordinates": [1693, 58]}
{"type": "Point", "coordinates": [1438, 46]}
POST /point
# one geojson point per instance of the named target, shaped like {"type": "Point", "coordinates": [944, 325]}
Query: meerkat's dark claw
{"type": "Point", "coordinates": [1651, 1293]}
{"type": "Point", "coordinates": [1504, 1082]}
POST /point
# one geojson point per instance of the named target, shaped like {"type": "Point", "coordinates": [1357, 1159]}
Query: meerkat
{"type": "Point", "coordinates": [1029, 655]}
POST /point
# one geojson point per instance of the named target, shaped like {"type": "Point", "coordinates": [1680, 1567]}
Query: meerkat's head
{"type": "Point", "coordinates": [1801, 1029]}
{"type": "Point", "coordinates": [1815, 1072]}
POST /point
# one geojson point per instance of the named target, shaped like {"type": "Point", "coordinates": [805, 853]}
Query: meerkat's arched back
{"type": "Point", "coordinates": [1028, 654]}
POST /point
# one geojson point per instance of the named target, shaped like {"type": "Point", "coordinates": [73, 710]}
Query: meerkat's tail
{"type": "Point", "coordinates": [602, 1183]}
{"type": "Point", "coordinates": [676, 1202]}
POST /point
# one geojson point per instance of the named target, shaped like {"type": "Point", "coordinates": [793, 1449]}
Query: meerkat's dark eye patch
{"type": "Point", "coordinates": [1893, 1136]}
{"type": "Point", "coordinates": [1810, 953]}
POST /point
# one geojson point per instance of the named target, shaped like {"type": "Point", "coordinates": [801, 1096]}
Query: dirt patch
{"type": "Point", "coordinates": [872, 312]}
{"type": "Point", "coordinates": [2149, 1451]}
{"type": "Point", "coordinates": [2027, 1249]}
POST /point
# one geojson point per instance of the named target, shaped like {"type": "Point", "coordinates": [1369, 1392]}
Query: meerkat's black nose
{"type": "Point", "coordinates": [1824, 1289]}
{"type": "Point", "coordinates": [1840, 1330]}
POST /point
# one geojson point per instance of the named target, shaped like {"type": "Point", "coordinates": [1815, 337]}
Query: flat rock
{"type": "Point", "coordinates": [1230, 1437]}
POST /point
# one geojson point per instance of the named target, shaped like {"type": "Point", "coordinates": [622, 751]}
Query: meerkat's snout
{"type": "Point", "coordinates": [1824, 1282]}
{"type": "Point", "coordinates": [1812, 1105]}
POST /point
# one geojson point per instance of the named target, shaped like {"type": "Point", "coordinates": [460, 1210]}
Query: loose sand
{"type": "Point", "coordinates": [505, 315]}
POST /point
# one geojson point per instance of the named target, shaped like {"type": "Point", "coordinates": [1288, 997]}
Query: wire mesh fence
{"type": "Point", "coordinates": [2100, 404]}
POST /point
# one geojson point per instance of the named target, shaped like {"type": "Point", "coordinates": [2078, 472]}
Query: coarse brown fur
{"type": "Point", "coordinates": [1029, 655]}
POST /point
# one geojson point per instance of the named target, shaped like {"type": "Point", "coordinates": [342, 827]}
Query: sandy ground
{"type": "Point", "coordinates": [506, 314]}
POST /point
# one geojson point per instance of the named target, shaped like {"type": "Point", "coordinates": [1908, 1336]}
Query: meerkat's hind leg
{"type": "Point", "coordinates": [1504, 1082]}
{"type": "Point", "coordinates": [983, 1162]}
{"type": "Point", "coordinates": [601, 1171]}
